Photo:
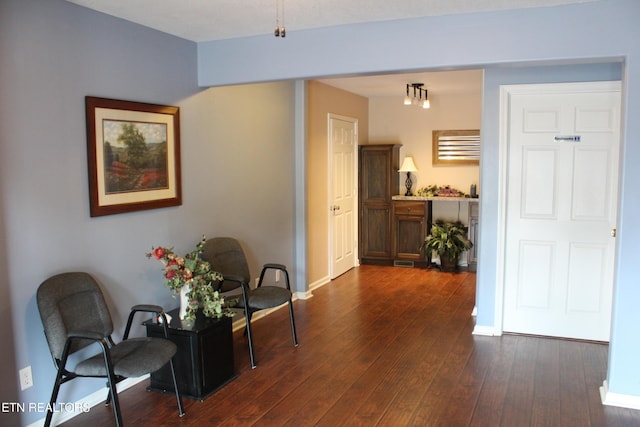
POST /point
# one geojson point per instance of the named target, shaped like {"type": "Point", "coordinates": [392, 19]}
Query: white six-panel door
{"type": "Point", "coordinates": [562, 186]}
{"type": "Point", "coordinates": [342, 209]}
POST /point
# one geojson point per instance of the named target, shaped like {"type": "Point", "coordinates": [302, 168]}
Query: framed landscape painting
{"type": "Point", "coordinates": [133, 150]}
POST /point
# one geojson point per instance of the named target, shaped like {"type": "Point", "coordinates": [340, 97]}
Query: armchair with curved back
{"type": "Point", "coordinates": [74, 315]}
{"type": "Point", "coordinates": [227, 257]}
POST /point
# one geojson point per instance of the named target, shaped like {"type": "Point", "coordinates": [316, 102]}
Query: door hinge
{"type": "Point", "coordinates": [613, 232]}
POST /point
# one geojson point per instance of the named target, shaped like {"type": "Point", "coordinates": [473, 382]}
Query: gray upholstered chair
{"type": "Point", "coordinates": [227, 257]}
{"type": "Point", "coordinates": [75, 315]}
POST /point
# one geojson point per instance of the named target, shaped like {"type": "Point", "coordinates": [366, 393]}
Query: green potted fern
{"type": "Point", "coordinates": [448, 240]}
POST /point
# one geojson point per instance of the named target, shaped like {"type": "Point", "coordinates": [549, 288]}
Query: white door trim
{"type": "Point", "coordinates": [503, 157]}
{"type": "Point", "coordinates": [506, 91]}
{"type": "Point", "coordinates": [331, 116]}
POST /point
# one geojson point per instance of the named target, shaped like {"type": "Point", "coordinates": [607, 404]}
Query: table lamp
{"type": "Point", "coordinates": [408, 166]}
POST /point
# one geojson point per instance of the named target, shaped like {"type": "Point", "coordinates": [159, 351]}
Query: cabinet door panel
{"type": "Point", "coordinates": [217, 365]}
{"type": "Point", "coordinates": [473, 235]}
{"type": "Point", "coordinates": [376, 183]}
{"type": "Point", "coordinates": [184, 364]}
{"type": "Point", "coordinates": [377, 235]}
{"type": "Point", "coordinates": [409, 236]}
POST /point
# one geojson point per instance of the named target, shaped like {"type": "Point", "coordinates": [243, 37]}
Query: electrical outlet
{"type": "Point", "coordinates": [257, 280]}
{"type": "Point", "coordinates": [26, 379]}
{"type": "Point", "coordinates": [277, 276]}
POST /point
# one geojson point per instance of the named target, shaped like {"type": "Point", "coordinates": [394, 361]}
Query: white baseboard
{"type": "Point", "coordinates": [320, 282]}
{"type": "Point", "coordinates": [302, 295]}
{"type": "Point", "coordinates": [617, 399]}
{"type": "Point", "coordinates": [488, 331]}
{"type": "Point", "coordinates": [95, 398]}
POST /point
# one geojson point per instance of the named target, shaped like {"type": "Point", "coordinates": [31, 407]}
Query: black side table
{"type": "Point", "coordinates": [204, 361]}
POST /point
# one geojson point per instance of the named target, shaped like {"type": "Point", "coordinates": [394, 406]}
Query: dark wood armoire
{"type": "Point", "coordinates": [378, 182]}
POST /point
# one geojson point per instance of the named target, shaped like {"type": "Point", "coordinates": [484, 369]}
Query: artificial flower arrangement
{"type": "Point", "coordinates": [439, 191]}
{"type": "Point", "coordinates": [192, 275]}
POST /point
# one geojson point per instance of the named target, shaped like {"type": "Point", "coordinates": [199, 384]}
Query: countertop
{"type": "Point", "coordinates": [436, 198]}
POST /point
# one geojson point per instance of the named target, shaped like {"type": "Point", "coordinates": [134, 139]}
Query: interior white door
{"type": "Point", "coordinates": [562, 186]}
{"type": "Point", "coordinates": [343, 142]}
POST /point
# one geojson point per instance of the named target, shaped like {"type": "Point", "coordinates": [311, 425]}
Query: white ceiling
{"type": "Point", "coordinates": [206, 20]}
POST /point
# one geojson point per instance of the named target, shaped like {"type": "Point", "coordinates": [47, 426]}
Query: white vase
{"type": "Point", "coordinates": [184, 302]}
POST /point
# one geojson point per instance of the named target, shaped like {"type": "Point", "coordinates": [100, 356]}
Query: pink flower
{"type": "Point", "coordinates": [170, 274]}
{"type": "Point", "coordinates": [158, 253]}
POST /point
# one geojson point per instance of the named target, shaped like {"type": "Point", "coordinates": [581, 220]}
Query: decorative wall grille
{"type": "Point", "coordinates": [456, 147]}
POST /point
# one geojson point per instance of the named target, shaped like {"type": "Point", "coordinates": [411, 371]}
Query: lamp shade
{"type": "Point", "coordinates": [408, 165]}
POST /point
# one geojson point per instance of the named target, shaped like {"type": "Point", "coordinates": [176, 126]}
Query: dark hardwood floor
{"type": "Point", "coordinates": [385, 346]}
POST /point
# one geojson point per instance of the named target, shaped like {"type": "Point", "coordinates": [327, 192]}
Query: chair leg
{"type": "Point", "coordinates": [118, 379]}
{"type": "Point", "coordinates": [247, 315]}
{"type": "Point", "coordinates": [54, 397]}
{"type": "Point", "coordinates": [107, 401]}
{"type": "Point", "coordinates": [175, 387]}
{"type": "Point", "coordinates": [112, 382]}
{"type": "Point", "coordinates": [113, 391]}
{"type": "Point", "coordinates": [293, 324]}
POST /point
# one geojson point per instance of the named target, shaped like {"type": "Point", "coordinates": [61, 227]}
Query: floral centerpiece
{"type": "Point", "coordinates": [192, 278]}
{"type": "Point", "coordinates": [439, 191]}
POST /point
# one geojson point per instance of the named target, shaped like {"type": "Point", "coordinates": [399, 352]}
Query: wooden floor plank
{"type": "Point", "coordinates": [546, 384]}
{"type": "Point", "coordinates": [490, 404]}
{"type": "Point", "coordinates": [389, 346]}
{"type": "Point", "coordinates": [519, 399]}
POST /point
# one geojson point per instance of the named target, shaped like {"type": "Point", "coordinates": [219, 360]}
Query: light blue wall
{"type": "Point", "coordinates": [592, 32]}
{"type": "Point", "coordinates": [237, 172]}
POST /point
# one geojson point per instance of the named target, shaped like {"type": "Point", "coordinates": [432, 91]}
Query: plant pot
{"type": "Point", "coordinates": [448, 263]}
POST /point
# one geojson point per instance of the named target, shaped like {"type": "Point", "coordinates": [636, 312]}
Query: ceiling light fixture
{"type": "Point", "coordinates": [407, 99]}
{"type": "Point", "coordinates": [417, 96]}
{"type": "Point", "coordinates": [280, 31]}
